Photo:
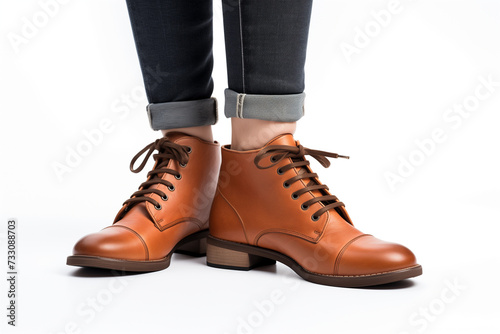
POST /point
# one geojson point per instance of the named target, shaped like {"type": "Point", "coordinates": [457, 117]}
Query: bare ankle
{"type": "Point", "coordinates": [202, 132]}
{"type": "Point", "coordinates": [249, 134]}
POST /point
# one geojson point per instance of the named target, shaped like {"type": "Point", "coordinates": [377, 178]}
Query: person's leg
{"type": "Point", "coordinates": [266, 44]}
{"type": "Point", "coordinates": [169, 213]}
{"type": "Point", "coordinates": [269, 204]}
{"type": "Point", "coordinates": [174, 44]}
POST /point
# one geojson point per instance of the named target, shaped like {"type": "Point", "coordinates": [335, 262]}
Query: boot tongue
{"type": "Point", "coordinates": [285, 139]}
{"type": "Point", "coordinates": [174, 136]}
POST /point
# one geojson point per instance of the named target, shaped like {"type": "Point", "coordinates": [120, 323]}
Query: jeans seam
{"type": "Point", "coordinates": [241, 46]}
{"type": "Point", "coordinates": [138, 42]}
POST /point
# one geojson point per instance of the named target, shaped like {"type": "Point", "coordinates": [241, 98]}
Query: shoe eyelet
{"type": "Point", "coordinates": [279, 171]}
{"type": "Point", "coordinates": [182, 165]}
{"type": "Point", "coordinates": [295, 196]}
{"type": "Point", "coordinates": [189, 149]}
{"type": "Point", "coordinates": [286, 185]}
{"type": "Point", "coordinates": [171, 188]}
{"type": "Point", "coordinates": [304, 207]}
{"type": "Point", "coordinates": [158, 207]}
{"type": "Point", "coordinates": [314, 218]}
{"type": "Point", "coordinates": [164, 197]}
{"type": "Point", "coordinates": [178, 177]}
{"type": "Point", "coordinates": [273, 159]}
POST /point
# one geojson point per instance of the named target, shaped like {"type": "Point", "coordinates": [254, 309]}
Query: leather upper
{"type": "Point", "coordinates": [144, 232]}
{"type": "Point", "coordinates": [253, 206]}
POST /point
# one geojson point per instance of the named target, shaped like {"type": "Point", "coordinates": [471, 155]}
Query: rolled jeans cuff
{"type": "Point", "coordinates": [280, 108]}
{"type": "Point", "coordinates": [182, 114]}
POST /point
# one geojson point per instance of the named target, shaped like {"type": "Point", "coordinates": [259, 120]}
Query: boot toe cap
{"type": "Point", "coordinates": [115, 242]}
{"type": "Point", "coordinates": [368, 255]}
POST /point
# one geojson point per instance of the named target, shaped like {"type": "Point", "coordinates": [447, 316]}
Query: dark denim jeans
{"type": "Point", "coordinates": [266, 42]}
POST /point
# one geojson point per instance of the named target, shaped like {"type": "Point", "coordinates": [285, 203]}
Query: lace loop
{"type": "Point", "coordinates": [176, 152]}
{"type": "Point", "coordinates": [167, 151]}
{"type": "Point", "coordinates": [280, 152]}
{"type": "Point", "coordinates": [277, 153]}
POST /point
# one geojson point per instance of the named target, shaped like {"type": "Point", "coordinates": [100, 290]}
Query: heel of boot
{"type": "Point", "coordinates": [193, 248]}
{"type": "Point", "coordinates": [221, 257]}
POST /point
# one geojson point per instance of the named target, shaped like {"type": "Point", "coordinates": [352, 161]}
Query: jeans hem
{"type": "Point", "coordinates": [182, 114]}
{"type": "Point", "coordinates": [280, 108]}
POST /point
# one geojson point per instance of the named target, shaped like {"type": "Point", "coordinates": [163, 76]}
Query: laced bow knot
{"type": "Point", "coordinates": [167, 151]}
{"type": "Point", "coordinates": [280, 152]}
{"type": "Point", "coordinates": [277, 153]}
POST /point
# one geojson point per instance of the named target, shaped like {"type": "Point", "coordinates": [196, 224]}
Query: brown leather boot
{"type": "Point", "coordinates": [168, 214]}
{"type": "Point", "coordinates": [270, 206]}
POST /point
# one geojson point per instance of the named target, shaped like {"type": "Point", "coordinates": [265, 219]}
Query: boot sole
{"type": "Point", "coordinates": [193, 245]}
{"type": "Point", "coordinates": [232, 255]}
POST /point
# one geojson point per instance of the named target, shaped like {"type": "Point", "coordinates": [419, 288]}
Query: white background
{"type": "Point", "coordinates": [81, 63]}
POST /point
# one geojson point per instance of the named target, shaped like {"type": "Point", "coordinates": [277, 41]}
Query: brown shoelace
{"type": "Point", "coordinates": [166, 151]}
{"type": "Point", "coordinates": [297, 154]}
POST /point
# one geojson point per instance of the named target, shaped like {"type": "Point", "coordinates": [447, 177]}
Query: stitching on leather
{"type": "Point", "coordinates": [138, 235]}
{"type": "Point", "coordinates": [342, 251]}
{"type": "Point", "coordinates": [283, 231]}
{"type": "Point", "coordinates": [363, 275]}
{"type": "Point", "coordinates": [236, 212]}
{"type": "Point", "coordinates": [322, 232]}
{"type": "Point", "coordinates": [325, 275]}
{"type": "Point", "coordinates": [195, 221]}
